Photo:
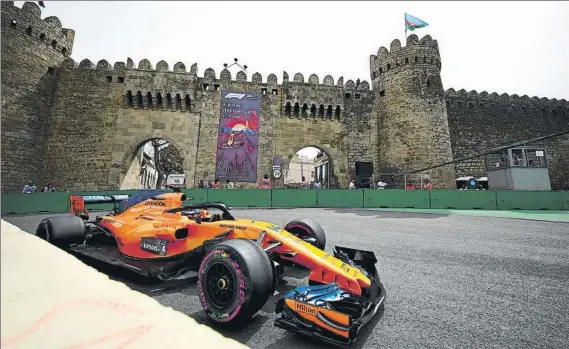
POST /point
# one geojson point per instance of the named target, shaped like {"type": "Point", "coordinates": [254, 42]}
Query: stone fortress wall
{"type": "Point", "coordinates": [91, 118]}
{"type": "Point", "coordinates": [32, 50]}
{"type": "Point", "coordinates": [480, 121]}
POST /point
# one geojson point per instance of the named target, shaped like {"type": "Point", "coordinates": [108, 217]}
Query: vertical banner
{"type": "Point", "coordinates": [238, 136]}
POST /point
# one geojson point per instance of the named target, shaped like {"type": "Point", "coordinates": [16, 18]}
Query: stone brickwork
{"type": "Point", "coordinates": [82, 129]}
{"type": "Point", "coordinates": [32, 49]}
{"type": "Point", "coordinates": [80, 125]}
{"type": "Point", "coordinates": [410, 103]}
{"type": "Point", "coordinates": [481, 121]}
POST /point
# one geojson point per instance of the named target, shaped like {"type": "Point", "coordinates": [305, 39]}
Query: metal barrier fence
{"type": "Point", "coordinates": [399, 180]}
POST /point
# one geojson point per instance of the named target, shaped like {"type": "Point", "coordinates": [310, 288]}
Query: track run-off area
{"type": "Point", "coordinates": [452, 281]}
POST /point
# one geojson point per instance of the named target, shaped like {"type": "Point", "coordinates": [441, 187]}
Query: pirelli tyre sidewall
{"type": "Point", "coordinates": [239, 268]}
{"type": "Point", "coordinates": [304, 227]}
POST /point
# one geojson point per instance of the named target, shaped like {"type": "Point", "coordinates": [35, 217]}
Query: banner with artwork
{"type": "Point", "coordinates": [238, 136]}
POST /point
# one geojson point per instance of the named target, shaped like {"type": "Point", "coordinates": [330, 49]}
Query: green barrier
{"type": "Point", "coordinates": [241, 197]}
{"type": "Point", "coordinates": [294, 198]}
{"type": "Point", "coordinates": [341, 198]}
{"type": "Point", "coordinates": [198, 196]}
{"type": "Point", "coordinates": [58, 202]}
{"type": "Point", "coordinates": [396, 198]}
{"type": "Point", "coordinates": [464, 199]}
{"type": "Point", "coordinates": [529, 200]}
{"type": "Point", "coordinates": [35, 203]}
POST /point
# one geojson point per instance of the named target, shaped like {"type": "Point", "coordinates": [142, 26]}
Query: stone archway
{"type": "Point", "coordinates": [124, 159]}
{"type": "Point", "coordinates": [333, 163]}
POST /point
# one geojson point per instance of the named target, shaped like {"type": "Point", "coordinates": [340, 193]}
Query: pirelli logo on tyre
{"type": "Point", "coordinates": [305, 308]}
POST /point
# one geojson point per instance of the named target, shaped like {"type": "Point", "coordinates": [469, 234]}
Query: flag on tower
{"type": "Point", "coordinates": [41, 4]}
{"type": "Point", "coordinates": [412, 23]}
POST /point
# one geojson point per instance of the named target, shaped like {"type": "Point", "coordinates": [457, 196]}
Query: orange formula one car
{"type": "Point", "coordinates": [237, 262]}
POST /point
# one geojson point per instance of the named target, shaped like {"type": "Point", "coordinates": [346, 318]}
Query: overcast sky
{"type": "Point", "coordinates": [504, 47]}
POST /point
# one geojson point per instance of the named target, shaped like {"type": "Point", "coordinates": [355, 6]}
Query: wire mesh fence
{"type": "Point", "coordinates": [399, 180]}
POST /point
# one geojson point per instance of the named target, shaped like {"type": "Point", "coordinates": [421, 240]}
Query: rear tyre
{"type": "Point", "coordinates": [62, 231]}
{"type": "Point", "coordinates": [235, 280]}
{"type": "Point", "coordinates": [307, 228]}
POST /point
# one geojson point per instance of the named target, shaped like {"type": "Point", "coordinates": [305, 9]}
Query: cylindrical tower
{"type": "Point", "coordinates": [32, 50]}
{"type": "Point", "coordinates": [410, 105]}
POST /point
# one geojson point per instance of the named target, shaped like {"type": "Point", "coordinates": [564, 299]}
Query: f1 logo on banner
{"type": "Point", "coordinates": [238, 136]}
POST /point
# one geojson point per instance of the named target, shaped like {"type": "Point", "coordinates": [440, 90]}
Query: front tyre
{"type": "Point", "coordinates": [305, 228]}
{"type": "Point", "coordinates": [235, 280]}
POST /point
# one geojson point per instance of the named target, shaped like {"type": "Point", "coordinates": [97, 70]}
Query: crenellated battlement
{"type": "Point", "coordinates": [211, 76]}
{"type": "Point", "coordinates": [416, 52]}
{"type": "Point", "coordinates": [27, 22]}
{"type": "Point", "coordinates": [462, 96]}
{"type": "Point", "coordinates": [144, 65]}
{"type": "Point", "coordinates": [241, 77]}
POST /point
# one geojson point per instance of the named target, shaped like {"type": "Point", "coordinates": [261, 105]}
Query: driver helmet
{"type": "Point", "coordinates": [205, 214]}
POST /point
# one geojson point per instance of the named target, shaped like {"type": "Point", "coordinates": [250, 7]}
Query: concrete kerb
{"type": "Point", "coordinates": [45, 290]}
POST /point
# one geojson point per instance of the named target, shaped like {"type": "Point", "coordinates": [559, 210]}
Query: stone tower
{"type": "Point", "coordinates": [32, 50]}
{"type": "Point", "coordinates": [410, 104]}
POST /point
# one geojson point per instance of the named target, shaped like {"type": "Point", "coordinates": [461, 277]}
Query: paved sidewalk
{"type": "Point", "coordinates": [51, 300]}
{"type": "Point", "coordinates": [536, 215]}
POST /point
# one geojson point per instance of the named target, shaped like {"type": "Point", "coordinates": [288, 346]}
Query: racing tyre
{"type": "Point", "coordinates": [235, 280]}
{"type": "Point", "coordinates": [62, 231]}
{"type": "Point", "coordinates": [307, 228]}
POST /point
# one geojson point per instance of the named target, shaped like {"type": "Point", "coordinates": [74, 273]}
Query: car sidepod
{"type": "Point", "coordinates": [329, 313]}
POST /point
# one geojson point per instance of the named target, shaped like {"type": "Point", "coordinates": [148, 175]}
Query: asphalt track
{"type": "Point", "coordinates": [452, 281]}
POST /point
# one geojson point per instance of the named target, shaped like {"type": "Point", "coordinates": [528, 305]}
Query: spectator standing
{"type": "Point", "coordinates": [317, 185]}
{"type": "Point", "coordinates": [29, 188]}
{"type": "Point", "coordinates": [229, 185]}
{"type": "Point", "coordinates": [303, 183]}
{"type": "Point", "coordinates": [381, 184]}
{"type": "Point", "coordinates": [410, 187]}
{"type": "Point", "coordinates": [216, 184]}
{"type": "Point", "coordinates": [50, 187]}
{"type": "Point", "coordinates": [352, 184]}
{"type": "Point", "coordinates": [428, 185]}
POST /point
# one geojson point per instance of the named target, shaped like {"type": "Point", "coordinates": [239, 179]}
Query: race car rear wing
{"type": "Point", "coordinates": [77, 203]}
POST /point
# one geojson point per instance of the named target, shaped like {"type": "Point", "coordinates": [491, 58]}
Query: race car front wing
{"type": "Point", "coordinates": [328, 312]}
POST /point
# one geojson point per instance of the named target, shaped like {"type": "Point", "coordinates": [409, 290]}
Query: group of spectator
{"type": "Point", "coordinates": [304, 184]}
{"type": "Point", "coordinates": [31, 188]}
{"type": "Point", "coordinates": [264, 183]}
{"type": "Point", "coordinates": [216, 184]}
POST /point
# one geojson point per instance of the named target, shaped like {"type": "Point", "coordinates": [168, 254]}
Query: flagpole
{"type": "Point", "coordinates": [405, 23]}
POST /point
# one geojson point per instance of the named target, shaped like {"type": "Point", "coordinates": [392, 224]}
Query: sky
{"type": "Point", "coordinates": [503, 47]}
